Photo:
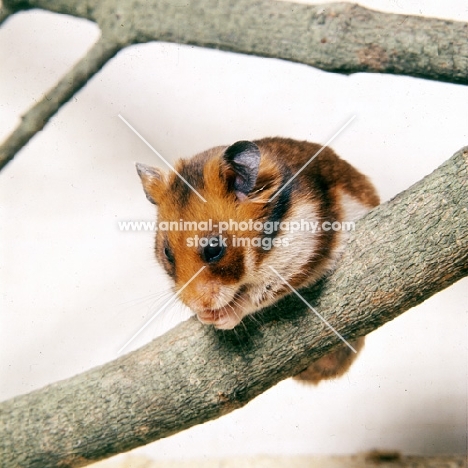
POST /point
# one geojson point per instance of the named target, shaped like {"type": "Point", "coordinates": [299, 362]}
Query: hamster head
{"type": "Point", "coordinates": [217, 251]}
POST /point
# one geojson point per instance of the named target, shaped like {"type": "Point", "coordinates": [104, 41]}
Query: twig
{"type": "Point", "coordinates": [35, 119]}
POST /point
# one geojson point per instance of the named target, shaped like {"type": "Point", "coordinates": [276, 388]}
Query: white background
{"type": "Point", "coordinates": [74, 288]}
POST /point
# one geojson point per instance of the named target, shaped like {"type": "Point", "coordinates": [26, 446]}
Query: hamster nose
{"type": "Point", "coordinates": [203, 295]}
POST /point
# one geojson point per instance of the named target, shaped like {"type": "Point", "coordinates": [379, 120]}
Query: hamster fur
{"type": "Point", "coordinates": [249, 187]}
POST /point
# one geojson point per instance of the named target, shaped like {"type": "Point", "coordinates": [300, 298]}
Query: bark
{"type": "Point", "coordinates": [340, 37]}
{"type": "Point", "coordinates": [401, 253]}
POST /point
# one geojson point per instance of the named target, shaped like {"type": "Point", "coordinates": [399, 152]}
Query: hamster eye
{"type": "Point", "coordinates": [169, 255]}
{"type": "Point", "coordinates": [213, 249]}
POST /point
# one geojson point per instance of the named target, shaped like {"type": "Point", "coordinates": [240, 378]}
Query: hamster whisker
{"type": "Point", "coordinates": [145, 298]}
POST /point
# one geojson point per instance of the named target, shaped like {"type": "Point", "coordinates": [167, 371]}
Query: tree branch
{"type": "Point", "coordinates": [36, 118]}
{"type": "Point", "coordinates": [337, 37]}
{"type": "Point", "coordinates": [402, 252]}
{"type": "Point", "coordinates": [340, 37]}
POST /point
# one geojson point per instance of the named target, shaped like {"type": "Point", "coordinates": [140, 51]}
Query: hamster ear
{"type": "Point", "coordinates": [152, 180]}
{"type": "Point", "coordinates": [243, 161]}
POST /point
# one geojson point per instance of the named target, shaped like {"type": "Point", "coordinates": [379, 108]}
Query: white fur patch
{"type": "Point", "coordinates": [287, 260]}
{"type": "Point", "coordinates": [352, 209]}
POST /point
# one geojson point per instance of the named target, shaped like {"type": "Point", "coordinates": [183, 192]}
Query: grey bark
{"type": "Point", "coordinates": [401, 253]}
{"type": "Point", "coordinates": [340, 37]}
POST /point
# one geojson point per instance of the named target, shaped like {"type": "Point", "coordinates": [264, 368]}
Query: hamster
{"type": "Point", "coordinates": [237, 222]}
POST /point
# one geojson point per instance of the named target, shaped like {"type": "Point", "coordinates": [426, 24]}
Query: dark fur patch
{"type": "Point", "coordinates": [192, 171]}
{"type": "Point", "coordinates": [282, 203]}
{"type": "Point", "coordinates": [231, 268]}
{"type": "Point", "coordinates": [278, 212]}
{"type": "Point", "coordinates": [161, 243]}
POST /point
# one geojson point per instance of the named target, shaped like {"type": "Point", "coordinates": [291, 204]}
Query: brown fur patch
{"type": "Point", "coordinates": [331, 365]}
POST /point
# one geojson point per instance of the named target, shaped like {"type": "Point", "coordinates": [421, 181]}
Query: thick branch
{"type": "Point", "coordinates": [401, 253]}
{"type": "Point", "coordinates": [338, 37]}
{"type": "Point", "coordinates": [35, 119]}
